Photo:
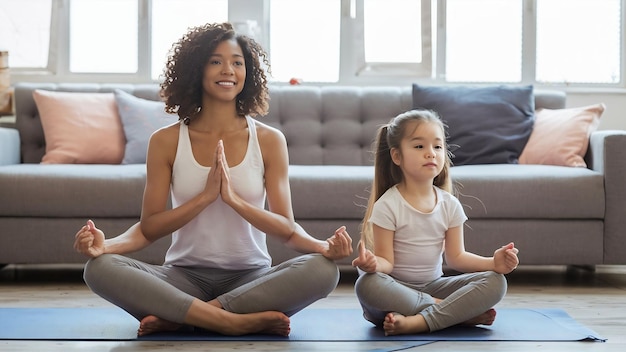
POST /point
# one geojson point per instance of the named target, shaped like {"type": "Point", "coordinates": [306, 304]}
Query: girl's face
{"type": "Point", "coordinates": [422, 152]}
{"type": "Point", "coordinates": [225, 72]}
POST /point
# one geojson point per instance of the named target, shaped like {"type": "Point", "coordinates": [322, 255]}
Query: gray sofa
{"type": "Point", "coordinates": [555, 215]}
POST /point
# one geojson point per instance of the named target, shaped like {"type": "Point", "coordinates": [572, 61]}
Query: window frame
{"type": "Point", "coordinates": [57, 69]}
{"type": "Point", "coordinates": [362, 68]}
{"type": "Point", "coordinates": [352, 69]}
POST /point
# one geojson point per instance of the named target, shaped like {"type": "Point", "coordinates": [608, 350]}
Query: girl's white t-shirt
{"type": "Point", "coordinates": [418, 241]}
{"type": "Point", "coordinates": [218, 237]}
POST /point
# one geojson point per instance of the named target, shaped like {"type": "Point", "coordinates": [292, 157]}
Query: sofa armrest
{"type": "Point", "coordinates": [9, 146]}
{"type": "Point", "coordinates": [608, 155]}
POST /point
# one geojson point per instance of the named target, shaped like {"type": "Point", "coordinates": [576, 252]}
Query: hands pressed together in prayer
{"type": "Point", "coordinates": [218, 181]}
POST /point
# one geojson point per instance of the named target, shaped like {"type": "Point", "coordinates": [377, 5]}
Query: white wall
{"type": "Point", "coordinates": [614, 117]}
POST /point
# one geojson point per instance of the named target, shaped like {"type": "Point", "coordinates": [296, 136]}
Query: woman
{"type": "Point", "coordinates": [221, 167]}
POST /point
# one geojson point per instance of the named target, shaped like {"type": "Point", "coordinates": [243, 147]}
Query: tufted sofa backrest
{"type": "Point", "coordinates": [333, 125]}
{"type": "Point", "coordinates": [327, 125]}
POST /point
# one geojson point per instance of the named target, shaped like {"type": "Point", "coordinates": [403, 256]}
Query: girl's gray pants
{"type": "Point", "coordinates": [464, 297]}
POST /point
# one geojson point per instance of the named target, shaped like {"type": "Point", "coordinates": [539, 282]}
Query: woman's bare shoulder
{"type": "Point", "coordinates": [164, 141]}
{"type": "Point", "coordinates": [273, 144]}
{"type": "Point", "coordinates": [269, 134]}
{"type": "Point", "coordinates": [166, 133]}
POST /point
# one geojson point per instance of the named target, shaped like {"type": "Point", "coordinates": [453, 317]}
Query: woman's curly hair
{"type": "Point", "coordinates": [182, 86]}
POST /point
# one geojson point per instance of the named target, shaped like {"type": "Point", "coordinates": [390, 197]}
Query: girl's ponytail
{"type": "Point", "coordinates": [385, 176]}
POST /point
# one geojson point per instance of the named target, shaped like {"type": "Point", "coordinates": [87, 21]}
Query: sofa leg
{"type": "Point", "coordinates": [584, 268]}
{"type": "Point", "coordinates": [6, 273]}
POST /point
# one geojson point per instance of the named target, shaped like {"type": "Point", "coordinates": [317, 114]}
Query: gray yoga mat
{"type": "Point", "coordinates": [307, 325]}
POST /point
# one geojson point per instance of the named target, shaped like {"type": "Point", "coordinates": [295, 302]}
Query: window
{"type": "Point", "coordinates": [380, 17]}
{"type": "Point", "coordinates": [395, 42]}
{"type": "Point", "coordinates": [103, 36]}
{"type": "Point", "coordinates": [304, 40]}
{"type": "Point", "coordinates": [585, 45]}
{"type": "Point", "coordinates": [102, 40]}
{"type": "Point", "coordinates": [172, 18]}
{"type": "Point", "coordinates": [570, 41]}
{"type": "Point", "coordinates": [307, 36]}
{"type": "Point", "coordinates": [25, 32]}
{"type": "Point", "coordinates": [542, 42]}
{"type": "Point", "coordinates": [483, 41]}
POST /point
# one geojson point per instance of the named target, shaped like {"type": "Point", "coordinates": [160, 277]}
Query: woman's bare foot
{"type": "Point", "coordinates": [487, 318]}
{"type": "Point", "coordinates": [398, 324]}
{"type": "Point", "coordinates": [151, 324]}
{"type": "Point", "coordinates": [211, 316]}
{"type": "Point", "coordinates": [274, 323]}
{"type": "Point", "coordinates": [270, 322]}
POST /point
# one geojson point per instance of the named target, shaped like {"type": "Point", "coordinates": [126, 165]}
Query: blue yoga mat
{"type": "Point", "coordinates": [307, 325]}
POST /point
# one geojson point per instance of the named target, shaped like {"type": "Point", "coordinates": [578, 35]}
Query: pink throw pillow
{"type": "Point", "coordinates": [561, 137]}
{"type": "Point", "coordinates": [80, 128]}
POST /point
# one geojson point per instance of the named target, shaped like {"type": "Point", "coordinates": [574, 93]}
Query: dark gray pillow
{"type": "Point", "coordinates": [140, 118]}
{"type": "Point", "coordinates": [486, 125]}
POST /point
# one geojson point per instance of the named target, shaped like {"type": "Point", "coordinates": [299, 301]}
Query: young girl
{"type": "Point", "coordinates": [221, 167]}
{"type": "Point", "coordinates": [411, 219]}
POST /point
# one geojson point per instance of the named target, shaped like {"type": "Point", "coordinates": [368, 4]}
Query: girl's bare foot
{"type": "Point", "coordinates": [151, 324]}
{"type": "Point", "coordinates": [487, 318]}
{"type": "Point", "coordinates": [398, 324]}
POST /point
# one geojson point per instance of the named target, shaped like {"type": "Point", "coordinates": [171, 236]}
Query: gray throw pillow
{"type": "Point", "coordinates": [486, 125]}
{"type": "Point", "coordinates": [140, 118]}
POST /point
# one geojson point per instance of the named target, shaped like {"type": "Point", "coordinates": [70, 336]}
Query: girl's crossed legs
{"type": "Point", "coordinates": [401, 307]}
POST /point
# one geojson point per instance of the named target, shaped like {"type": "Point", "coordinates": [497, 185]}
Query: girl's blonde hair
{"type": "Point", "coordinates": [386, 173]}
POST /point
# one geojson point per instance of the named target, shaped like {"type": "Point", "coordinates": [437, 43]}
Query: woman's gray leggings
{"type": "Point", "coordinates": [464, 297]}
{"type": "Point", "coordinates": [167, 291]}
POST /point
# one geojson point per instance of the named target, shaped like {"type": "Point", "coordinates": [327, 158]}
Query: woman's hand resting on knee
{"type": "Point", "coordinates": [339, 245]}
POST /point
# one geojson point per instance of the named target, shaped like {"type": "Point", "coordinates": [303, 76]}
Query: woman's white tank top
{"type": "Point", "coordinates": [218, 237]}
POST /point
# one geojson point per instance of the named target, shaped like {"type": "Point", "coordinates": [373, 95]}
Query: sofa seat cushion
{"type": "Point", "coordinates": [71, 190]}
{"type": "Point", "coordinates": [533, 191]}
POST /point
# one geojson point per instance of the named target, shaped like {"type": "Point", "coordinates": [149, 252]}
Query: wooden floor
{"type": "Point", "coordinates": [596, 299]}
